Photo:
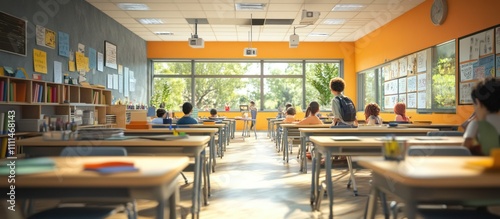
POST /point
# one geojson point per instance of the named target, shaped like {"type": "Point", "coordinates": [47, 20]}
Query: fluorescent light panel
{"type": "Point", "coordinates": [334, 21]}
{"type": "Point", "coordinates": [164, 33]}
{"type": "Point", "coordinates": [150, 21]}
{"type": "Point", "coordinates": [348, 7]}
{"type": "Point", "coordinates": [313, 34]}
{"type": "Point", "coordinates": [133, 6]}
{"type": "Point", "coordinates": [250, 6]}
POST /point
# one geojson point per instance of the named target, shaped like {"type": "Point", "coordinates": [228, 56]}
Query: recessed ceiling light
{"type": "Point", "coordinates": [133, 6]}
{"type": "Point", "coordinates": [348, 7]}
{"type": "Point", "coordinates": [150, 21]}
{"type": "Point", "coordinates": [313, 34]}
{"type": "Point", "coordinates": [164, 33]}
{"type": "Point", "coordinates": [334, 21]}
{"type": "Point", "coordinates": [250, 6]}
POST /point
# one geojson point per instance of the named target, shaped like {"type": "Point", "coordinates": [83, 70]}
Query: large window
{"type": "Point", "coordinates": [212, 84]}
{"type": "Point", "coordinates": [425, 81]}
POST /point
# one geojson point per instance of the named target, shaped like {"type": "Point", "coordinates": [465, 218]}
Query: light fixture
{"type": "Point", "coordinates": [149, 21]}
{"type": "Point", "coordinates": [348, 7]}
{"type": "Point", "coordinates": [334, 21]}
{"type": "Point", "coordinates": [294, 40]}
{"type": "Point", "coordinates": [133, 6]}
{"type": "Point", "coordinates": [315, 34]}
{"type": "Point", "coordinates": [164, 33]}
{"type": "Point", "coordinates": [250, 6]}
{"type": "Point", "coordinates": [194, 41]}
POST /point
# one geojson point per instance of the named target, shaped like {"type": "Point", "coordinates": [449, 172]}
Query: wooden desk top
{"type": "Point", "coordinates": [206, 125]}
{"type": "Point", "coordinates": [191, 141]}
{"type": "Point", "coordinates": [446, 172]}
{"type": "Point", "coordinates": [153, 171]}
{"type": "Point", "coordinates": [368, 130]}
{"type": "Point", "coordinates": [168, 131]}
{"type": "Point", "coordinates": [295, 125]}
{"type": "Point", "coordinates": [326, 141]}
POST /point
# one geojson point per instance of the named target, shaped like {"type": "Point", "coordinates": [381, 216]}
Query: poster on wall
{"type": "Point", "coordinates": [485, 67]}
{"type": "Point", "coordinates": [40, 61]}
{"type": "Point", "coordinates": [411, 84]}
{"type": "Point", "coordinates": [45, 37]}
{"type": "Point", "coordinates": [421, 81]}
{"type": "Point", "coordinates": [498, 66]}
{"type": "Point", "coordinates": [402, 85]}
{"type": "Point", "coordinates": [110, 55]}
{"type": "Point", "coordinates": [394, 69]}
{"type": "Point", "coordinates": [467, 71]}
{"type": "Point", "coordinates": [422, 61]}
{"type": "Point", "coordinates": [411, 64]}
{"type": "Point", "coordinates": [465, 91]}
{"type": "Point", "coordinates": [421, 100]}
{"type": "Point", "coordinates": [386, 72]}
{"type": "Point", "coordinates": [92, 58]}
{"type": "Point", "coordinates": [402, 98]}
{"type": "Point", "coordinates": [391, 87]}
{"type": "Point", "coordinates": [403, 64]}
{"type": "Point", "coordinates": [63, 44]}
{"type": "Point", "coordinates": [497, 40]}
{"type": "Point", "coordinates": [100, 62]}
{"type": "Point", "coordinates": [411, 101]}
{"type": "Point", "coordinates": [390, 101]}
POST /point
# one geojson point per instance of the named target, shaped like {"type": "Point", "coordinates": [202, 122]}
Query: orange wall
{"type": "Point", "coordinates": [265, 50]}
{"type": "Point", "coordinates": [414, 31]}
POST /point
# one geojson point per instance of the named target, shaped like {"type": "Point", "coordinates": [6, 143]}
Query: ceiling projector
{"type": "Point", "coordinates": [250, 52]}
{"type": "Point", "coordinates": [196, 42]}
{"type": "Point", "coordinates": [294, 41]}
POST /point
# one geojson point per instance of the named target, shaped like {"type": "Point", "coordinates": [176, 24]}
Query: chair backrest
{"type": "Point", "coordinates": [438, 151]}
{"type": "Point", "coordinates": [445, 133]}
{"type": "Point", "coordinates": [93, 151]}
{"type": "Point", "coordinates": [487, 137]}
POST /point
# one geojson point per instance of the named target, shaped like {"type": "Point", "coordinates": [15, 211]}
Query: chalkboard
{"type": "Point", "coordinates": [12, 34]}
{"type": "Point", "coordinates": [478, 57]}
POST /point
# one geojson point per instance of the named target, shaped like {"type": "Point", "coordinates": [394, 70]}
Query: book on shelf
{"type": "Point", "coordinates": [2, 84]}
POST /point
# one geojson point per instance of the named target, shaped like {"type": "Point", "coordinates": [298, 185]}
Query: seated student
{"type": "Point", "coordinates": [161, 114]}
{"type": "Point", "coordinates": [213, 113]}
{"type": "Point", "coordinates": [372, 111]}
{"type": "Point", "coordinates": [312, 118]}
{"type": "Point", "coordinates": [187, 108]}
{"type": "Point", "coordinates": [487, 108]}
{"type": "Point", "coordinates": [290, 115]}
{"type": "Point", "coordinates": [400, 111]}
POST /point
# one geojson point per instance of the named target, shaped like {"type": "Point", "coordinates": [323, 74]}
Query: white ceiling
{"type": "Point", "coordinates": [227, 24]}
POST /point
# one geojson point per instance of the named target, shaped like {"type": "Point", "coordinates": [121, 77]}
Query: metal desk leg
{"type": "Point", "coordinates": [213, 160]}
{"type": "Point", "coordinates": [206, 180]}
{"type": "Point", "coordinates": [351, 179]}
{"type": "Point", "coordinates": [371, 209]}
{"type": "Point", "coordinates": [329, 183]}
{"type": "Point", "coordinates": [198, 168]}
{"type": "Point", "coordinates": [303, 158]}
{"type": "Point", "coordinates": [313, 183]}
{"type": "Point", "coordinates": [316, 172]}
{"type": "Point", "coordinates": [285, 144]}
{"type": "Point", "coordinates": [221, 138]}
{"type": "Point", "coordinates": [160, 209]}
{"type": "Point", "coordinates": [172, 203]}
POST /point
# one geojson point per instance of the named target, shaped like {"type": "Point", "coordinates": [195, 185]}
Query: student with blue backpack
{"type": "Point", "coordinates": [343, 109]}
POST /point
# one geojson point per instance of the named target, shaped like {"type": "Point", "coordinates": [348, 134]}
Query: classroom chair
{"type": "Point", "coordinates": [488, 137]}
{"type": "Point", "coordinates": [87, 211]}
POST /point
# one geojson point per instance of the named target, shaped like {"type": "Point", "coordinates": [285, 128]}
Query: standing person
{"type": "Point", "coordinates": [251, 108]}
{"type": "Point", "coordinates": [187, 108]}
{"type": "Point", "coordinates": [372, 111]}
{"type": "Point", "coordinates": [343, 109]}
{"type": "Point", "coordinates": [400, 111]}
{"type": "Point", "coordinates": [485, 97]}
{"type": "Point", "coordinates": [226, 107]}
{"type": "Point", "coordinates": [312, 118]}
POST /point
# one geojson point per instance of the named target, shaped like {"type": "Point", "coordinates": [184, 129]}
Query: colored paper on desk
{"type": "Point", "coordinates": [27, 166]}
{"type": "Point", "coordinates": [90, 166]}
{"type": "Point", "coordinates": [346, 138]}
{"type": "Point", "coordinates": [165, 137]}
{"type": "Point", "coordinates": [429, 138]}
{"type": "Point", "coordinates": [119, 169]}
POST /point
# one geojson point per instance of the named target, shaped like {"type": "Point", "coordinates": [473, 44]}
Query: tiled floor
{"type": "Point", "coordinates": [252, 181]}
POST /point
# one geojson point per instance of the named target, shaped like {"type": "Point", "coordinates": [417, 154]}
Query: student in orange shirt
{"type": "Point", "coordinates": [312, 119]}
{"type": "Point", "coordinates": [290, 115]}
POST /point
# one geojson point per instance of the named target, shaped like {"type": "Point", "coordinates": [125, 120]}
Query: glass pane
{"type": "Point", "coordinates": [216, 92]}
{"type": "Point", "coordinates": [443, 76]}
{"type": "Point", "coordinates": [279, 91]}
{"type": "Point", "coordinates": [171, 91]}
{"type": "Point", "coordinates": [172, 68]}
{"type": "Point", "coordinates": [282, 68]}
{"type": "Point", "coordinates": [318, 76]}
{"type": "Point", "coordinates": [227, 68]}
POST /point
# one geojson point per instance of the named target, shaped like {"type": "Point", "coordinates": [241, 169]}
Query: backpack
{"type": "Point", "coordinates": [347, 108]}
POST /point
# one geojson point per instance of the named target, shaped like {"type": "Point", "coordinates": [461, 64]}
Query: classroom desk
{"type": "Point", "coordinates": [222, 146]}
{"type": "Point", "coordinates": [430, 180]}
{"type": "Point", "coordinates": [293, 128]}
{"type": "Point", "coordinates": [441, 127]}
{"type": "Point", "coordinates": [305, 133]}
{"type": "Point", "coordinates": [246, 125]}
{"type": "Point", "coordinates": [232, 127]}
{"type": "Point", "coordinates": [367, 146]}
{"type": "Point", "coordinates": [190, 131]}
{"type": "Point", "coordinates": [156, 180]}
{"type": "Point", "coordinates": [272, 125]}
{"type": "Point", "coordinates": [193, 146]}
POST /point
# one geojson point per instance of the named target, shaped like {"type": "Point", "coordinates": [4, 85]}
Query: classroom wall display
{"type": "Point", "coordinates": [402, 98]}
{"type": "Point", "coordinates": [402, 85]}
{"type": "Point", "coordinates": [390, 101]}
{"type": "Point", "coordinates": [421, 81]}
{"type": "Point", "coordinates": [403, 65]}
{"type": "Point", "coordinates": [411, 101]}
{"type": "Point", "coordinates": [477, 59]}
{"type": "Point", "coordinates": [421, 100]}
{"type": "Point", "coordinates": [411, 84]}
{"type": "Point", "coordinates": [13, 34]}
{"type": "Point", "coordinates": [422, 61]}
{"type": "Point", "coordinates": [391, 87]}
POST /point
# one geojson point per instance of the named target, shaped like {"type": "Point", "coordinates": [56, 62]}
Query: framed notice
{"type": "Point", "coordinates": [13, 34]}
{"type": "Point", "coordinates": [110, 55]}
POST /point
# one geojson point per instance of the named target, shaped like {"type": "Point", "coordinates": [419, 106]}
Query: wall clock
{"type": "Point", "coordinates": [439, 10]}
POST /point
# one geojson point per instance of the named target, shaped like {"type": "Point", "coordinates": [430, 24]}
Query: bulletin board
{"type": "Point", "coordinates": [479, 56]}
{"type": "Point", "coordinates": [406, 80]}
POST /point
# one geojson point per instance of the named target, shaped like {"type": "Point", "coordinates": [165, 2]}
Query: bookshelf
{"type": "Point", "coordinates": [31, 98]}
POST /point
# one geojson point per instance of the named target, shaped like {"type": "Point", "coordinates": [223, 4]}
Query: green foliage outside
{"type": "Point", "coordinates": [318, 77]}
{"type": "Point", "coordinates": [443, 83]}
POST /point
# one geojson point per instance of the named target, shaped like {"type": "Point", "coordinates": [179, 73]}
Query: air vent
{"type": "Point", "coordinates": [279, 21]}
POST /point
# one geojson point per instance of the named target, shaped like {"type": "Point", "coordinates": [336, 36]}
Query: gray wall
{"type": "Point", "coordinates": [86, 25]}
